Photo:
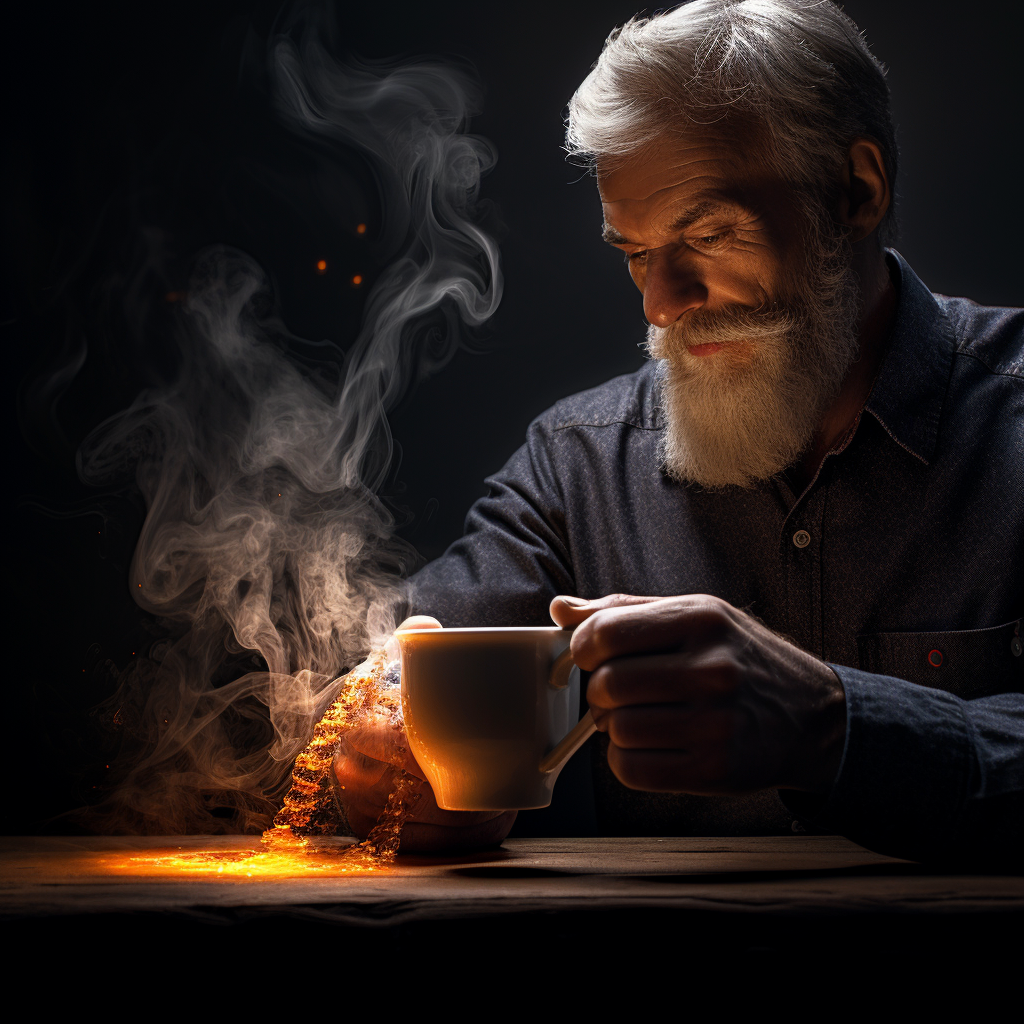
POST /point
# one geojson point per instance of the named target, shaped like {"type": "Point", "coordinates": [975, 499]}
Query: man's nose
{"type": "Point", "coordinates": [671, 288]}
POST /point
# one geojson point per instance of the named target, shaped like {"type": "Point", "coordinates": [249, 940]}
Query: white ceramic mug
{"type": "Point", "coordinates": [490, 714]}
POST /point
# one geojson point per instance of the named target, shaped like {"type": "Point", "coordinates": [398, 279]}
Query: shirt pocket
{"type": "Point", "coordinates": [968, 663]}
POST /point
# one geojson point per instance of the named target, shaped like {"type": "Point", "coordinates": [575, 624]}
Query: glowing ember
{"type": "Point", "coordinates": [369, 694]}
{"type": "Point", "coordinates": [323, 860]}
{"type": "Point", "coordinates": [321, 266]}
{"type": "Point", "coordinates": [357, 279]}
{"type": "Point", "coordinates": [308, 806]}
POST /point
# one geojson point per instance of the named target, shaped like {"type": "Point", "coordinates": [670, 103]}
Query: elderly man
{"type": "Point", "coordinates": [815, 482]}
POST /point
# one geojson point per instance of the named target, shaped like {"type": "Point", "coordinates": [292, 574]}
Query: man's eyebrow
{"type": "Point", "coordinates": [610, 235]}
{"type": "Point", "coordinates": [690, 216]}
{"type": "Point", "coordinates": [699, 211]}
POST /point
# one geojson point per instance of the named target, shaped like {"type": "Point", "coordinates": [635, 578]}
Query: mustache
{"type": "Point", "coordinates": [727, 325]}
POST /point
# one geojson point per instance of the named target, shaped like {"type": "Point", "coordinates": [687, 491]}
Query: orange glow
{"type": "Point", "coordinates": [321, 266]}
{"type": "Point", "coordinates": [357, 279]}
{"type": "Point", "coordinates": [308, 809]}
{"type": "Point", "coordinates": [360, 229]}
{"type": "Point", "coordinates": [301, 842]}
{"type": "Point", "coordinates": [246, 863]}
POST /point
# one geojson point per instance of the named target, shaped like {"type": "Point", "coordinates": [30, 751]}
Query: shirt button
{"type": "Point", "coordinates": [801, 538]}
{"type": "Point", "coordinates": [1017, 647]}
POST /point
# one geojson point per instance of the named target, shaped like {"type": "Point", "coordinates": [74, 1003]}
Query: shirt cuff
{"type": "Point", "coordinates": [905, 772]}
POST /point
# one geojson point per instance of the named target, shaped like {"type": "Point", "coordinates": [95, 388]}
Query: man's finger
{"type": "Point", "coordinates": [696, 679]}
{"type": "Point", "coordinates": [382, 743]}
{"type": "Point", "coordinates": [361, 779]}
{"type": "Point", "coordinates": [569, 611]}
{"type": "Point", "coordinates": [420, 622]}
{"type": "Point", "coordinates": [701, 770]}
{"type": "Point", "coordinates": [413, 622]}
{"type": "Point", "coordinates": [668, 727]}
{"type": "Point", "coordinates": [665, 624]}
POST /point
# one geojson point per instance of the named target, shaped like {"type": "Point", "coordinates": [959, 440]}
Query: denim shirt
{"type": "Point", "coordinates": [901, 565]}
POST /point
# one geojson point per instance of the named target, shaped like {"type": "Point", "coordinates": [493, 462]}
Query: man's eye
{"type": "Point", "coordinates": [710, 239]}
{"type": "Point", "coordinates": [636, 257]}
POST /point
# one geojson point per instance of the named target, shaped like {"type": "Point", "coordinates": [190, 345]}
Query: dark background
{"type": "Point", "coordinates": [131, 122]}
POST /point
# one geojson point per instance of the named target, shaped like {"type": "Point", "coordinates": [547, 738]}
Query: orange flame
{"type": "Point", "coordinates": [309, 805]}
{"type": "Point", "coordinates": [291, 846]}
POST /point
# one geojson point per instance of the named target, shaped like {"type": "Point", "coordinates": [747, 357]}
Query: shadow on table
{"type": "Point", "coordinates": [892, 869]}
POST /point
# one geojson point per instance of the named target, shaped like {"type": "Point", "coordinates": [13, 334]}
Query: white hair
{"type": "Point", "coordinates": [794, 76]}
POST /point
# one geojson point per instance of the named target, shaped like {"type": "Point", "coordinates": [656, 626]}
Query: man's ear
{"type": "Point", "coordinates": [865, 192]}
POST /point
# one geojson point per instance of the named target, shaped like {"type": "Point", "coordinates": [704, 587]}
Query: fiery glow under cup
{"type": "Point", "coordinates": [491, 713]}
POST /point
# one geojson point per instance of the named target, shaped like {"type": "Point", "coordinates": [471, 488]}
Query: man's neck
{"type": "Point", "coordinates": [879, 303]}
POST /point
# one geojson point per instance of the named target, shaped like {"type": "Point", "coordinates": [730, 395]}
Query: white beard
{"type": "Point", "coordinates": [745, 413]}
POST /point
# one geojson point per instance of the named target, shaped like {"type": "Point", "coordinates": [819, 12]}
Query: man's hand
{"type": "Point", "coordinates": [364, 769]}
{"type": "Point", "coordinates": [698, 697]}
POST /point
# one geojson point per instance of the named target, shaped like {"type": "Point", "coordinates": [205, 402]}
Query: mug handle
{"type": "Point", "coordinates": [580, 733]}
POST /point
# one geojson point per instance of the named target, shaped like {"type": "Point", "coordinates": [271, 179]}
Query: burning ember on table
{"type": "Point", "coordinates": [369, 693]}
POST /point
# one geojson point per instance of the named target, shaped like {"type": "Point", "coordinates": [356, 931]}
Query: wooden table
{"type": "Point", "coordinates": [654, 900]}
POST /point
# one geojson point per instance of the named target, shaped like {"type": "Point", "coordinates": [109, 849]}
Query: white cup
{"type": "Point", "coordinates": [490, 714]}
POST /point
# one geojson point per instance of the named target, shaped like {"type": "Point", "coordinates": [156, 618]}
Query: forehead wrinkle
{"type": "Point", "coordinates": [687, 167]}
{"type": "Point", "coordinates": [710, 203]}
{"type": "Point", "coordinates": [657, 192]}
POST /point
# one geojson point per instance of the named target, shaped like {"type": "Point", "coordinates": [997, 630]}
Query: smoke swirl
{"type": "Point", "coordinates": [265, 545]}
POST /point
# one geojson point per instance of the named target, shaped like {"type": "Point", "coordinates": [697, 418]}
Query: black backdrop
{"type": "Point", "coordinates": [128, 118]}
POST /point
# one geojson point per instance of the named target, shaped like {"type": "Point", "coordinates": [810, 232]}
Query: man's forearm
{"type": "Point", "coordinates": [926, 775]}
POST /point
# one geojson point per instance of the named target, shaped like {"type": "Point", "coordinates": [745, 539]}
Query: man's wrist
{"type": "Point", "coordinates": [822, 757]}
{"type": "Point", "coordinates": [833, 733]}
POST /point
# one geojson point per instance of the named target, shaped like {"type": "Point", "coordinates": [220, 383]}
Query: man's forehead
{"type": "Point", "coordinates": [669, 166]}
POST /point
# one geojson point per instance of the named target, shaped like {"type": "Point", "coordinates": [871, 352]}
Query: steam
{"type": "Point", "coordinates": [265, 545]}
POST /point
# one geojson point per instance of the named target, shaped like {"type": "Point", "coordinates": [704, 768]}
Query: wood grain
{"type": "Point", "coordinates": [786, 876]}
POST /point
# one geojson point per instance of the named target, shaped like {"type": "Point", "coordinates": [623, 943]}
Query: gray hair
{"type": "Point", "coordinates": [795, 75]}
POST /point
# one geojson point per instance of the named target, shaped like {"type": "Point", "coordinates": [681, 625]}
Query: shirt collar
{"type": "Point", "coordinates": [908, 395]}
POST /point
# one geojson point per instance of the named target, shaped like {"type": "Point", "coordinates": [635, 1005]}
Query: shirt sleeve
{"type": "Point", "coordinates": [513, 557]}
{"type": "Point", "coordinates": [926, 775]}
